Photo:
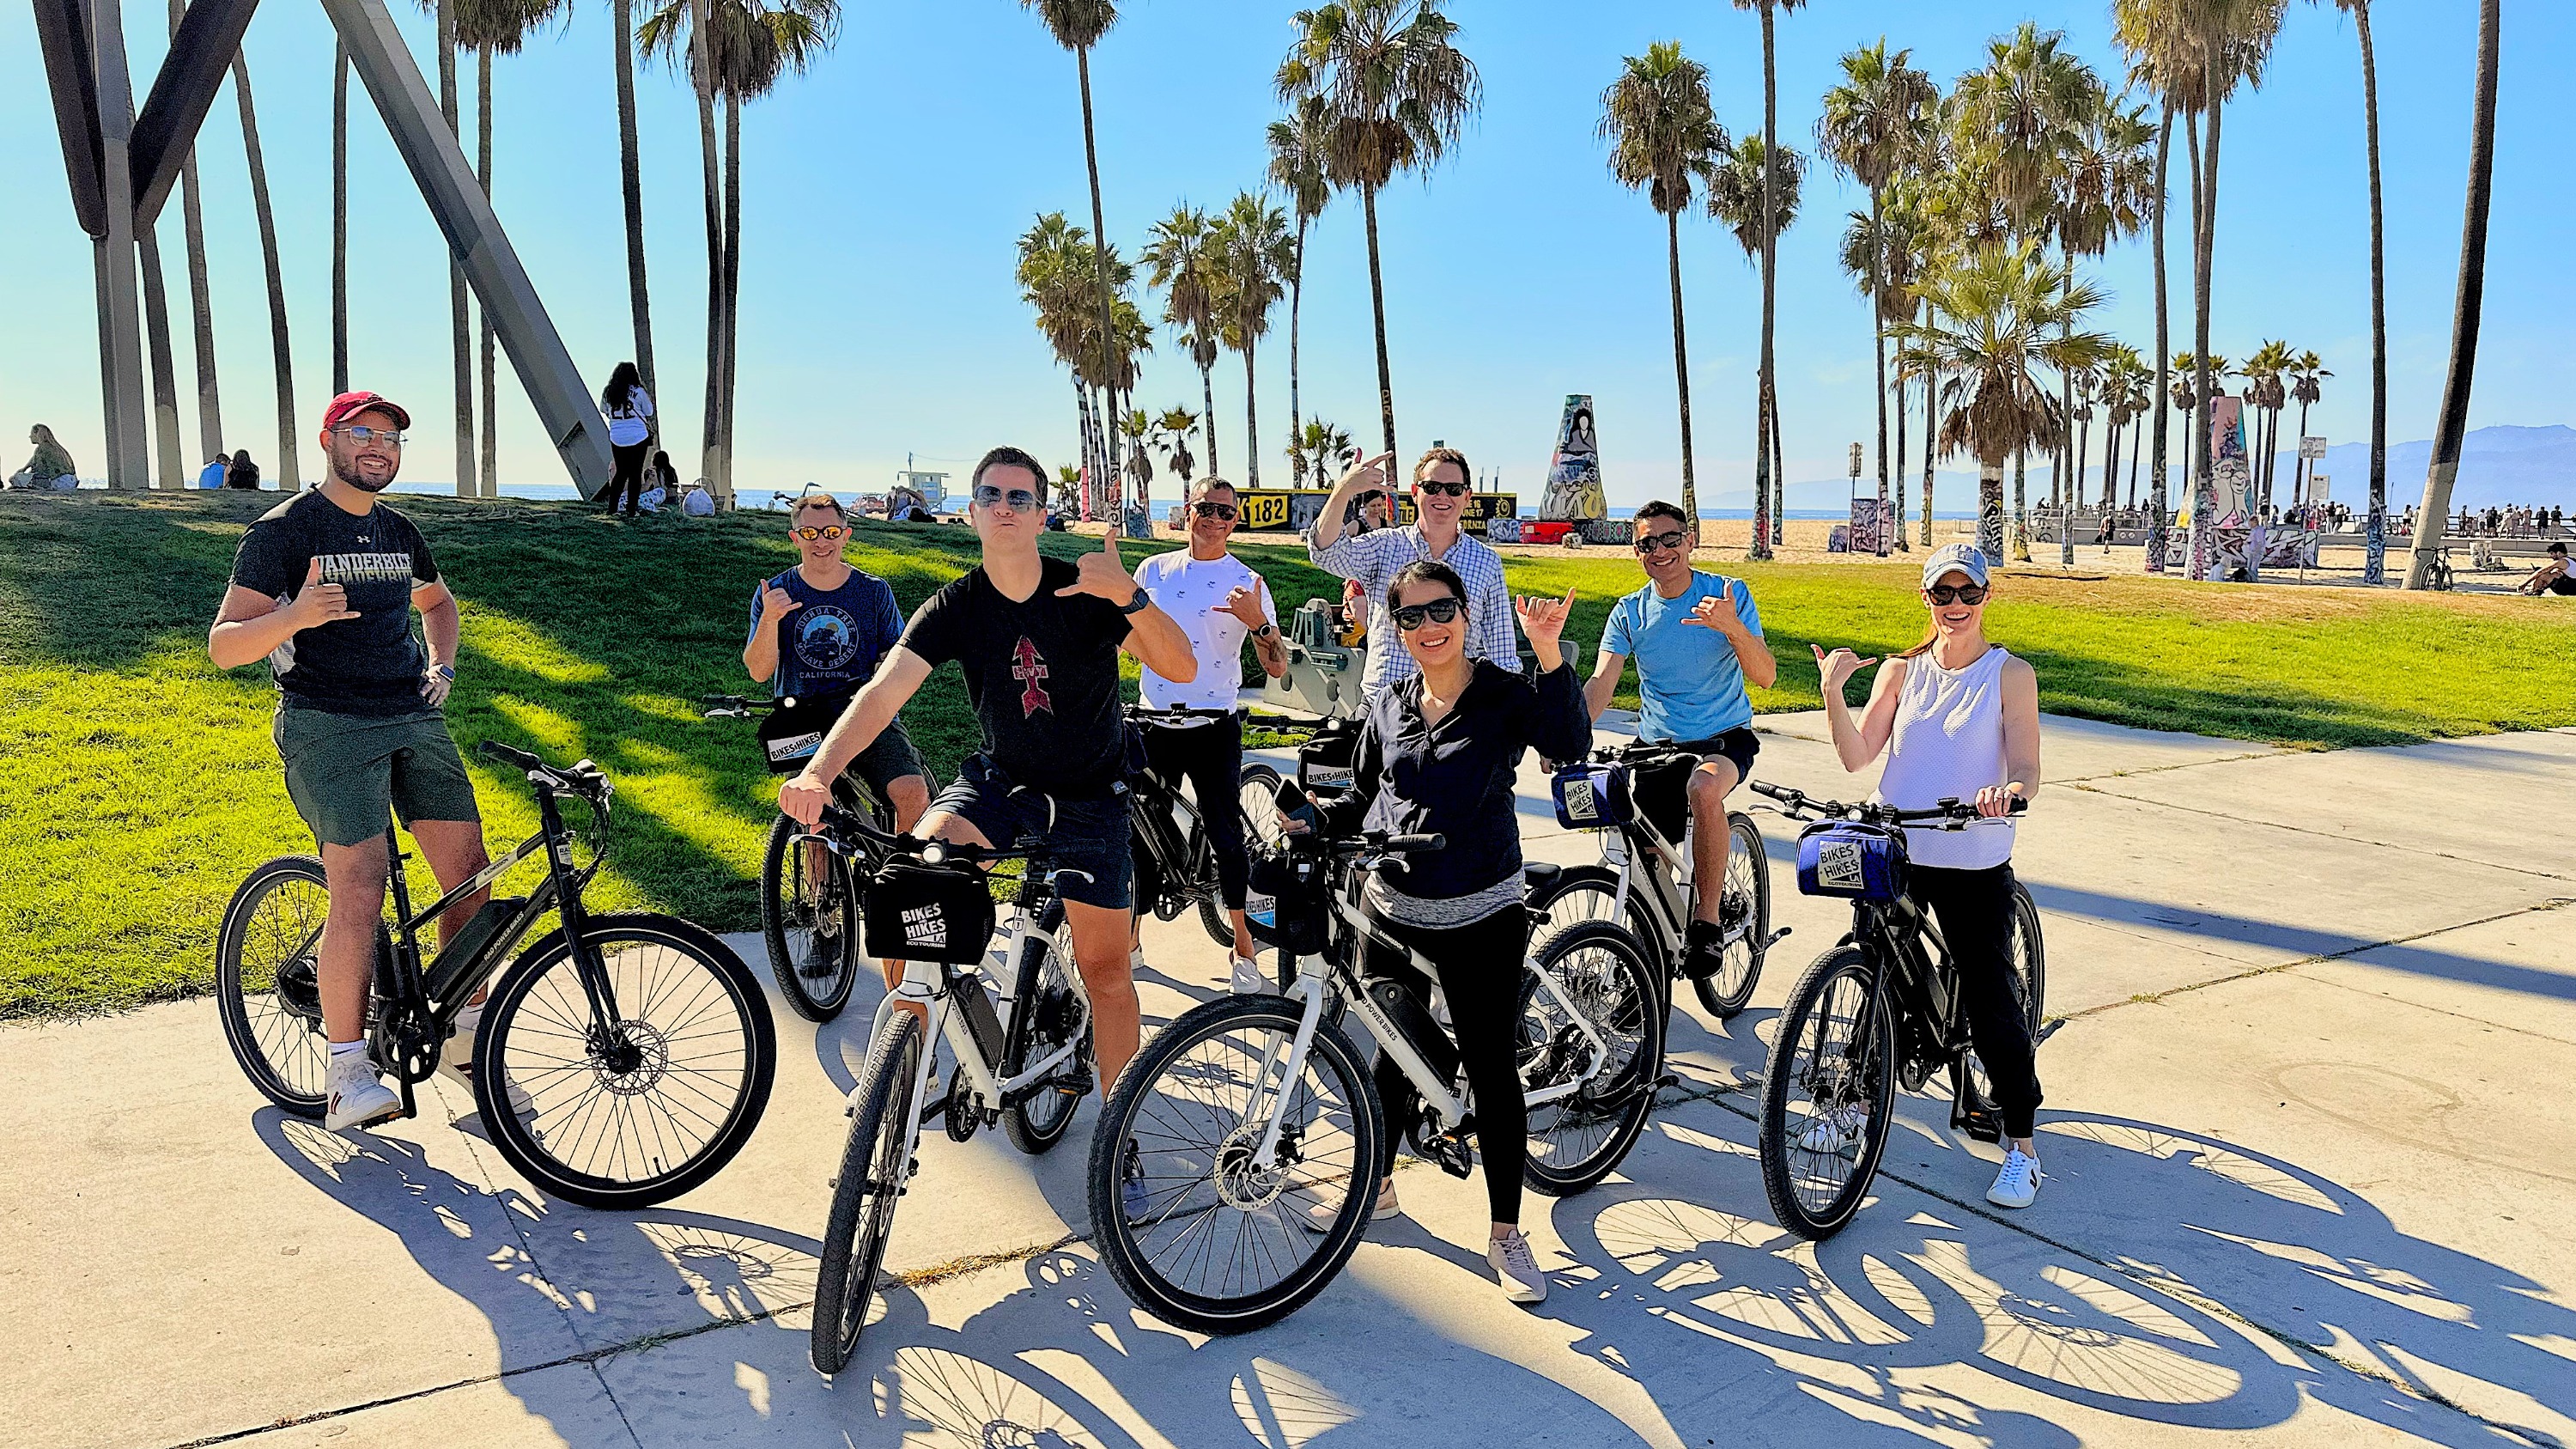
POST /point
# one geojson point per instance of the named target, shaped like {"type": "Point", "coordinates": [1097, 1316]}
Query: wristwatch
{"type": "Point", "coordinates": [447, 671]}
{"type": "Point", "coordinates": [1137, 604]}
{"type": "Point", "coordinates": [1266, 630]}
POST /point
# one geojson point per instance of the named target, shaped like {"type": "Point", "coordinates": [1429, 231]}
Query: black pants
{"type": "Point", "coordinates": [1480, 968]}
{"type": "Point", "coordinates": [1974, 909]}
{"type": "Point", "coordinates": [626, 485]}
{"type": "Point", "coordinates": [1210, 757]}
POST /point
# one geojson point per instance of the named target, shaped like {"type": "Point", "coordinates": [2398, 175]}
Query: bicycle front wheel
{"type": "Point", "coordinates": [1214, 1241]}
{"type": "Point", "coordinates": [1045, 990]}
{"type": "Point", "coordinates": [1748, 880]}
{"type": "Point", "coordinates": [1577, 1139]}
{"type": "Point", "coordinates": [809, 920]}
{"type": "Point", "coordinates": [268, 980]}
{"type": "Point", "coordinates": [629, 1115]}
{"type": "Point", "coordinates": [874, 1166]}
{"type": "Point", "coordinates": [1826, 1095]}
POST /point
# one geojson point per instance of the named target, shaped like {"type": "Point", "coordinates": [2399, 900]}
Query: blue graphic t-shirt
{"type": "Point", "coordinates": [1687, 677]}
{"type": "Point", "coordinates": [831, 642]}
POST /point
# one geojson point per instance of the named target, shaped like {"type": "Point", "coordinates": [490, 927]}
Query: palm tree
{"type": "Point", "coordinates": [339, 209]}
{"type": "Point", "coordinates": [2375, 527]}
{"type": "Point", "coordinates": [1077, 25]}
{"type": "Point", "coordinates": [1172, 435]}
{"type": "Point", "coordinates": [1663, 136]}
{"type": "Point", "coordinates": [630, 174]}
{"type": "Point", "coordinates": [167, 465]}
{"type": "Point", "coordinates": [2002, 313]}
{"type": "Point", "coordinates": [2267, 394]}
{"type": "Point", "coordinates": [210, 411]}
{"type": "Point", "coordinates": [1254, 260]}
{"type": "Point", "coordinates": [1176, 261]}
{"type": "Point", "coordinates": [289, 471]}
{"type": "Point", "coordinates": [1136, 426]}
{"type": "Point", "coordinates": [2125, 398]}
{"type": "Point", "coordinates": [1059, 273]}
{"type": "Point", "coordinates": [1885, 254]}
{"type": "Point", "coordinates": [784, 37]}
{"type": "Point", "coordinates": [460, 342]}
{"type": "Point", "coordinates": [2465, 310]}
{"type": "Point", "coordinates": [1741, 191]}
{"type": "Point", "coordinates": [2307, 370]}
{"type": "Point", "coordinates": [1766, 405]}
{"type": "Point", "coordinates": [1298, 147]}
{"type": "Point", "coordinates": [1321, 445]}
{"type": "Point", "coordinates": [489, 28]}
{"type": "Point", "coordinates": [2103, 183]}
{"type": "Point", "coordinates": [1868, 127]}
{"type": "Point", "coordinates": [1395, 92]}
{"type": "Point", "coordinates": [662, 35]}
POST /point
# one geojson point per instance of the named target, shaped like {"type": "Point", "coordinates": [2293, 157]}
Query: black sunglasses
{"type": "Point", "coordinates": [1442, 485]}
{"type": "Point", "coordinates": [1020, 499]}
{"type": "Point", "coordinates": [1958, 593]}
{"type": "Point", "coordinates": [1438, 611]}
{"type": "Point", "coordinates": [1214, 510]}
{"type": "Point", "coordinates": [1658, 542]}
{"type": "Point", "coordinates": [829, 531]}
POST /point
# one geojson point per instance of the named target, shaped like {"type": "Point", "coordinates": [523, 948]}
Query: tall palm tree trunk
{"type": "Point", "coordinates": [1377, 316]}
{"type": "Point", "coordinates": [1251, 418]}
{"type": "Point", "coordinates": [2465, 310]}
{"type": "Point", "coordinates": [1779, 472]}
{"type": "Point", "coordinates": [732, 273]}
{"type": "Point", "coordinates": [171, 469]}
{"type": "Point", "coordinates": [1207, 416]}
{"type": "Point", "coordinates": [2020, 514]}
{"type": "Point", "coordinates": [2374, 568]}
{"type": "Point", "coordinates": [488, 477]}
{"type": "Point", "coordinates": [710, 167]}
{"type": "Point", "coordinates": [459, 341]}
{"type": "Point", "coordinates": [1878, 354]}
{"type": "Point", "coordinates": [289, 474]}
{"type": "Point", "coordinates": [1100, 239]}
{"type": "Point", "coordinates": [2137, 442]}
{"type": "Point", "coordinates": [1681, 368]}
{"type": "Point", "coordinates": [1296, 295]}
{"type": "Point", "coordinates": [2204, 512]}
{"type": "Point", "coordinates": [1899, 495]}
{"type": "Point", "coordinates": [630, 171]}
{"type": "Point", "coordinates": [339, 219]}
{"type": "Point", "coordinates": [2156, 514]}
{"type": "Point", "coordinates": [1762, 388]}
{"type": "Point", "coordinates": [2074, 494]}
{"type": "Point", "coordinates": [2299, 474]}
{"type": "Point", "coordinates": [210, 408]}
{"type": "Point", "coordinates": [1990, 510]}
{"type": "Point", "coordinates": [1931, 448]}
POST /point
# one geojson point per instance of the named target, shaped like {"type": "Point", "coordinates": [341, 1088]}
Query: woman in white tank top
{"type": "Point", "coordinates": [1958, 718]}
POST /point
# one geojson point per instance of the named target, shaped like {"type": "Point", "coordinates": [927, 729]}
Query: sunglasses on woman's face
{"type": "Point", "coordinates": [1021, 500]}
{"type": "Point", "coordinates": [829, 533]}
{"type": "Point", "coordinates": [1959, 593]}
{"type": "Point", "coordinates": [1438, 611]}
{"type": "Point", "coordinates": [1442, 485]}
{"type": "Point", "coordinates": [1214, 510]}
{"type": "Point", "coordinates": [1662, 542]}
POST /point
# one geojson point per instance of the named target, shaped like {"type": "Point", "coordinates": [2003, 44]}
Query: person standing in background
{"type": "Point", "coordinates": [629, 410]}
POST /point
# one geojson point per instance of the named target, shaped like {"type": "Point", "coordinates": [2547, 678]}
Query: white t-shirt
{"type": "Point", "coordinates": [627, 425]}
{"type": "Point", "coordinates": [1193, 591]}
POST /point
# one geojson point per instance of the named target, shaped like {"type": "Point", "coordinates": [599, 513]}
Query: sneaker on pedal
{"type": "Point", "coordinates": [1319, 1215]}
{"type": "Point", "coordinates": [1248, 980]}
{"type": "Point", "coordinates": [1703, 950]}
{"type": "Point", "coordinates": [1835, 1132]}
{"type": "Point", "coordinates": [2017, 1184]}
{"type": "Point", "coordinates": [1516, 1268]}
{"type": "Point", "coordinates": [354, 1096]}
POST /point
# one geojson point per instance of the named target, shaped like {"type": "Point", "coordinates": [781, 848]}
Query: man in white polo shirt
{"type": "Point", "coordinates": [1218, 601]}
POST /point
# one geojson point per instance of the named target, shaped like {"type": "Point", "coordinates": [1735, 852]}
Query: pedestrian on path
{"type": "Point", "coordinates": [629, 410]}
{"type": "Point", "coordinates": [1958, 718]}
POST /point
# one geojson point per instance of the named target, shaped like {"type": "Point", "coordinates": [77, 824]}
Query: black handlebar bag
{"type": "Point", "coordinates": [790, 734]}
{"type": "Point", "coordinates": [1328, 762]}
{"type": "Point", "coordinates": [920, 912]}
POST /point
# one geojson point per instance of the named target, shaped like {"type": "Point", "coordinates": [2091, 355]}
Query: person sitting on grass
{"type": "Point", "coordinates": [2552, 577]}
{"type": "Point", "coordinates": [50, 467]}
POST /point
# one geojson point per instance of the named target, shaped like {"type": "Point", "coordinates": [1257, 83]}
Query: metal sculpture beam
{"type": "Point", "coordinates": [201, 54]}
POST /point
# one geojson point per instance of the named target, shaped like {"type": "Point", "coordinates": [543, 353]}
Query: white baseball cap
{"type": "Point", "coordinates": [1957, 558]}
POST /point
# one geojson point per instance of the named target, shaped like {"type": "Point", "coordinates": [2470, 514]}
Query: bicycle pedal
{"type": "Point", "coordinates": [1668, 1079]}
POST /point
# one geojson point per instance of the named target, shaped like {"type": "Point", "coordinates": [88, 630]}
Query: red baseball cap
{"type": "Point", "coordinates": [349, 404]}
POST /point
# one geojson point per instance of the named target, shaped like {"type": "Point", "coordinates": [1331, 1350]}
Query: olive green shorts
{"type": "Point", "coordinates": [347, 772]}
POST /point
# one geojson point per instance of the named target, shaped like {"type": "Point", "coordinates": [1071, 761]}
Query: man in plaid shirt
{"type": "Point", "coordinates": [1371, 559]}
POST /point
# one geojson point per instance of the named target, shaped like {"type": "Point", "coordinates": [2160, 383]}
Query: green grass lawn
{"type": "Point", "coordinates": [140, 783]}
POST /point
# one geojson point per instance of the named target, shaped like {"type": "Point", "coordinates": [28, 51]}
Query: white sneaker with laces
{"type": "Point", "coordinates": [2017, 1185]}
{"type": "Point", "coordinates": [1835, 1131]}
{"type": "Point", "coordinates": [354, 1095]}
{"type": "Point", "coordinates": [1516, 1268]}
{"type": "Point", "coordinates": [1248, 980]}
{"type": "Point", "coordinates": [456, 1062]}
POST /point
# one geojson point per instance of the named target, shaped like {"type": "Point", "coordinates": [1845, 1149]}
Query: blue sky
{"type": "Point", "coordinates": [884, 191]}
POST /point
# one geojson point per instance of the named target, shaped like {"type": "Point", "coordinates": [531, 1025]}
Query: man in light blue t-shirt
{"type": "Point", "coordinates": [1697, 640]}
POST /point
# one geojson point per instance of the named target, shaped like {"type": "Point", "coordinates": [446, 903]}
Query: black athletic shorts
{"type": "Point", "coordinates": [1662, 791]}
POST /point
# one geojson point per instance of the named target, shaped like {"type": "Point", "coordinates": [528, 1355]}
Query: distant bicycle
{"type": "Point", "coordinates": [1176, 866]}
{"type": "Point", "coordinates": [1881, 1010]}
{"type": "Point", "coordinates": [623, 1059]}
{"type": "Point", "coordinates": [809, 910]}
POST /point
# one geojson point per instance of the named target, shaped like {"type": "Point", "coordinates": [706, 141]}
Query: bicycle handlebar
{"type": "Point", "coordinates": [1951, 811]}
{"type": "Point", "coordinates": [838, 821]}
{"type": "Point", "coordinates": [583, 778]}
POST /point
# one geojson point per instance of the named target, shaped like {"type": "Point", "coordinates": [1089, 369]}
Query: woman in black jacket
{"type": "Point", "coordinates": [1440, 756]}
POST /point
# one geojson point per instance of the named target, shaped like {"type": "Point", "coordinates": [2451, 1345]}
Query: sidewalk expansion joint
{"type": "Point", "coordinates": [2240, 821]}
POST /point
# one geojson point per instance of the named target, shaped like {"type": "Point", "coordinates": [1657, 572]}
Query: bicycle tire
{"type": "Point", "coordinates": [1257, 832]}
{"type": "Point", "coordinates": [499, 1061]}
{"type": "Point", "coordinates": [2028, 957]}
{"type": "Point", "coordinates": [291, 1026]}
{"type": "Point", "coordinates": [1725, 993]}
{"type": "Point", "coordinates": [1626, 1000]}
{"type": "Point", "coordinates": [1129, 1259]}
{"type": "Point", "coordinates": [1038, 1121]}
{"type": "Point", "coordinates": [875, 1162]}
{"type": "Point", "coordinates": [1874, 1033]}
{"type": "Point", "coordinates": [785, 910]}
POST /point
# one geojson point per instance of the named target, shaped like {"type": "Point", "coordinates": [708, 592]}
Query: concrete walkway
{"type": "Point", "coordinates": [2310, 1173]}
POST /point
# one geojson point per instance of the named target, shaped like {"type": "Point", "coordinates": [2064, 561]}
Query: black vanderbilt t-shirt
{"type": "Point", "coordinates": [368, 665]}
{"type": "Point", "coordinates": [1043, 676]}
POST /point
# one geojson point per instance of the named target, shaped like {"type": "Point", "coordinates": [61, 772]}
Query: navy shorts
{"type": "Point", "coordinates": [1085, 841]}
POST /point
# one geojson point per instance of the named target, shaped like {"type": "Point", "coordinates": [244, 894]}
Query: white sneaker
{"type": "Point", "coordinates": [1835, 1131]}
{"type": "Point", "coordinates": [2017, 1185]}
{"type": "Point", "coordinates": [456, 1062]}
{"type": "Point", "coordinates": [1248, 980]}
{"type": "Point", "coordinates": [355, 1096]}
{"type": "Point", "coordinates": [1516, 1269]}
{"type": "Point", "coordinates": [1136, 961]}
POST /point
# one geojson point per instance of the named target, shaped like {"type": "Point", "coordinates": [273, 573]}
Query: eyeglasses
{"type": "Point", "coordinates": [362, 435]}
{"type": "Point", "coordinates": [1959, 593]}
{"type": "Point", "coordinates": [1020, 500]}
{"type": "Point", "coordinates": [1442, 485]}
{"type": "Point", "coordinates": [830, 532]}
{"type": "Point", "coordinates": [1214, 510]}
{"type": "Point", "coordinates": [1661, 542]}
{"type": "Point", "coordinates": [1438, 611]}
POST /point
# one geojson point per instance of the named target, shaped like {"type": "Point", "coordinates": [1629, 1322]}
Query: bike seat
{"type": "Point", "coordinates": [1538, 872]}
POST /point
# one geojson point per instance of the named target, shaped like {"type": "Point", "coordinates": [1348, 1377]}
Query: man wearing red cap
{"type": "Point", "coordinates": [323, 588]}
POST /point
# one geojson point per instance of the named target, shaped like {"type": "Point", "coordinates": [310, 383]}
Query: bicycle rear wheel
{"type": "Point", "coordinates": [1827, 1092]}
{"type": "Point", "coordinates": [1748, 879]}
{"type": "Point", "coordinates": [809, 920]}
{"type": "Point", "coordinates": [2028, 959]}
{"type": "Point", "coordinates": [268, 980]}
{"type": "Point", "coordinates": [1221, 1245]}
{"type": "Point", "coordinates": [631, 1117]}
{"type": "Point", "coordinates": [874, 1165]}
{"type": "Point", "coordinates": [1046, 991]}
{"type": "Point", "coordinates": [1577, 1139]}
{"type": "Point", "coordinates": [1256, 800]}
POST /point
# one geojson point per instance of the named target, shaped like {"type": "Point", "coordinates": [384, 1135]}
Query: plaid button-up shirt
{"type": "Point", "coordinates": [1373, 558]}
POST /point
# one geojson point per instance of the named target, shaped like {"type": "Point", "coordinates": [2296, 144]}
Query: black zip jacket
{"type": "Point", "coordinates": [1455, 778]}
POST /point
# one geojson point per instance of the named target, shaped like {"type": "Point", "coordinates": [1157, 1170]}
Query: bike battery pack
{"type": "Point", "coordinates": [1419, 1026]}
{"type": "Point", "coordinates": [458, 956]}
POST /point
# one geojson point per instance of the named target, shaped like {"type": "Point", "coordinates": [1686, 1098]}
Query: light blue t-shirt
{"type": "Point", "coordinates": [1686, 673]}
